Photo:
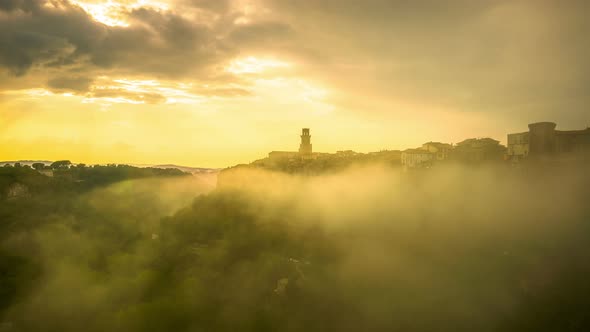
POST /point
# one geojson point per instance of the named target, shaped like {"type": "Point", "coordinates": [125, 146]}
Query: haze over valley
{"type": "Point", "coordinates": [267, 165]}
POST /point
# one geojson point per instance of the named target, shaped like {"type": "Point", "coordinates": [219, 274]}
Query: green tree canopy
{"type": "Point", "coordinates": [38, 166]}
{"type": "Point", "coordinates": [61, 164]}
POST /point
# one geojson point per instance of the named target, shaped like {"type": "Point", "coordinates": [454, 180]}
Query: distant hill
{"type": "Point", "coordinates": [193, 170]}
{"type": "Point", "coordinates": [187, 169]}
{"type": "Point", "coordinates": [25, 162]}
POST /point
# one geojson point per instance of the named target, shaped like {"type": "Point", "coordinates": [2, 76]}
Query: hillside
{"type": "Point", "coordinates": [365, 248]}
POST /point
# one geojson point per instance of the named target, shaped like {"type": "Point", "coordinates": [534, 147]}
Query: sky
{"type": "Point", "coordinates": [213, 83]}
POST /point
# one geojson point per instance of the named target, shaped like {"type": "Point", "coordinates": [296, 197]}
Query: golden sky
{"type": "Point", "coordinates": [213, 83]}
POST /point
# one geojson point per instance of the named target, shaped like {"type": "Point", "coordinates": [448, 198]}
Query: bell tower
{"type": "Point", "coordinates": [305, 146]}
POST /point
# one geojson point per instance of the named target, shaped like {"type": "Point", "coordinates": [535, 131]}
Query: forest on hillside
{"type": "Point", "coordinates": [363, 248]}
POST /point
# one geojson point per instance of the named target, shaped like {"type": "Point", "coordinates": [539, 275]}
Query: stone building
{"type": "Point", "coordinates": [542, 140]}
{"type": "Point", "coordinates": [426, 155]}
{"type": "Point", "coordinates": [476, 150]}
{"type": "Point", "coordinates": [413, 158]}
{"type": "Point", "coordinates": [441, 150]}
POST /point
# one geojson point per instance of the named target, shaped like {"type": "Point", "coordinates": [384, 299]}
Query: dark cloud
{"type": "Point", "coordinates": [71, 83]}
{"type": "Point", "coordinates": [160, 44]}
{"type": "Point", "coordinates": [22, 49]}
{"type": "Point", "coordinates": [24, 5]}
{"type": "Point", "coordinates": [156, 43]}
{"type": "Point", "coordinates": [501, 56]}
{"type": "Point", "coordinates": [261, 34]}
{"type": "Point", "coordinates": [46, 36]}
{"type": "Point", "coordinates": [467, 55]}
{"type": "Point", "coordinates": [171, 47]}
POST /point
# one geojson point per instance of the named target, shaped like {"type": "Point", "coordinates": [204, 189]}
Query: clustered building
{"type": "Point", "coordinates": [542, 140]}
{"type": "Point", "coordinates": [472, 150]}
{"type": "Point", "coordinates": [426, 155]}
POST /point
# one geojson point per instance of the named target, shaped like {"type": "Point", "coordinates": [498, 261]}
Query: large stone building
{"type": "Point", "coordinates": [543, 140]}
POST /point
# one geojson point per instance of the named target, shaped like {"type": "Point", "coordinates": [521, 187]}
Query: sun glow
{"type": "Point", "coordinates": [253, 65]}
{"type": "Point", "coordinates": [115, 12]}
{"type": "Point", "coordinates": [294, 91]}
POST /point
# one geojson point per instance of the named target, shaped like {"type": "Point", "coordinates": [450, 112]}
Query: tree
{"type": "Point", "coordinates": [38, 166]}
{"type": "Point", "coordinates": [61, 164]}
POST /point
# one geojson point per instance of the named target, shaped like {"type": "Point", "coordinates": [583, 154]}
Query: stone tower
{"type": "Point", "coordinates": [541, 138]}
{"type": "Point", "coordinates": [305, 146]}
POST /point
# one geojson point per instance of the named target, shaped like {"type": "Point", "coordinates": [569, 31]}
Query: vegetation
{"type": "Point", "coordinates": [61, 164]}
{"type": "Point", "coordinates": [73, 179]}
{"type": "Point", "coordinates": [327, 163]}
{"type": "Point", "coordinates": [364, 249]}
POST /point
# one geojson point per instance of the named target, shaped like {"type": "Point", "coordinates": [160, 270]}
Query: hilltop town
{"type": "Point", "coordinates": [542, 142]}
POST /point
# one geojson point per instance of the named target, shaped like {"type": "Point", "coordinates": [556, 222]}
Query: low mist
{"type": "Point", "coordinates": [369, 248]}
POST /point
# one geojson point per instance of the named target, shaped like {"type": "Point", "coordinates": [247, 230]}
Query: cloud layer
{"type": "Point", "coordinates": [474, 55]}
